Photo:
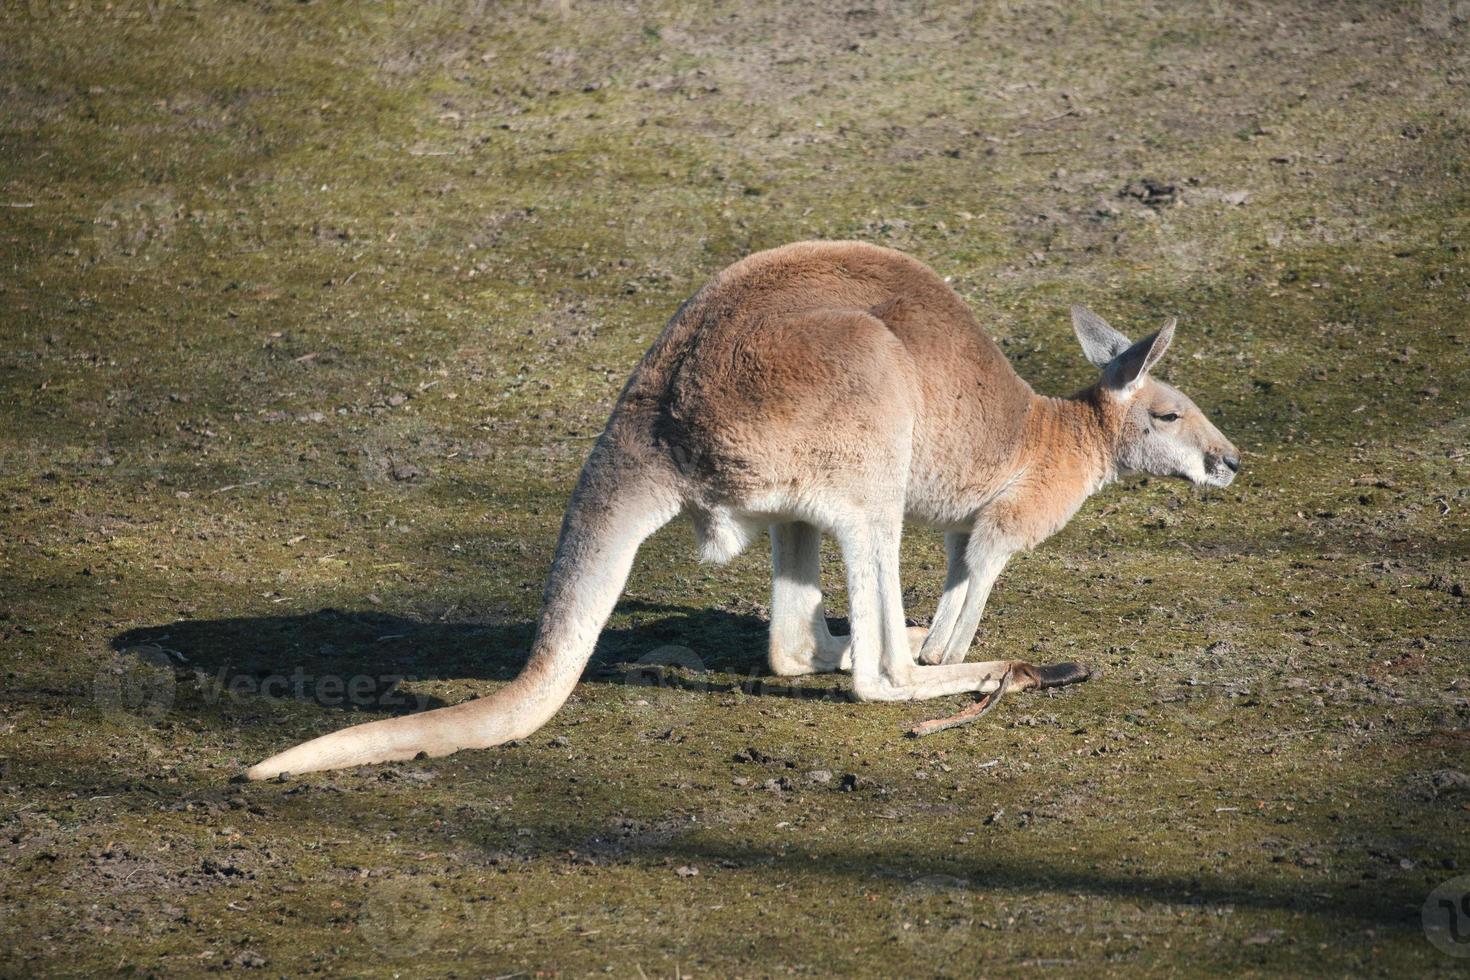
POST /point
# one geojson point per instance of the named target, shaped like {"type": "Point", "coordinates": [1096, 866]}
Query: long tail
{"type": "Point", "coordinates": [617, 504]}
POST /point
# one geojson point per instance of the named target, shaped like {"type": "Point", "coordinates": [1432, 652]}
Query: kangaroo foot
{"type": "Point", "coordinates": [1030, 677]}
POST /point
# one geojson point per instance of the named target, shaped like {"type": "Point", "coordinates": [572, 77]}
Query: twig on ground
{"type": "Point", "coordinates": [974, 712]}
{"type": "Point", "coordinates": [237, 486]}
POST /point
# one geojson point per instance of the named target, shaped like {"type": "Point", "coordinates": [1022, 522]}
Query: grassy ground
{"type": "Point", "coordinates": [311, 311]}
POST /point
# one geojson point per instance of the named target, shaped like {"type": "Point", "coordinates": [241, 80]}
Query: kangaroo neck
{"type": "Point", "coordinates": [1063, 456]}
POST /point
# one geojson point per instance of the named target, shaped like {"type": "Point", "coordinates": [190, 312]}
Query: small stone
{"type": "Point", "coordinates": [405, 472]}
{"type": "Point", "coordinates": [1151, 193]}
{"type": "Point", "coordinates": [248, 959]}
{"type": "Point", "coordinates": [1449, 779]}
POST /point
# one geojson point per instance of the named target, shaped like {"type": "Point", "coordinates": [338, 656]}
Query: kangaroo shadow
{"type": "Point", "coordinates": [356, 660]}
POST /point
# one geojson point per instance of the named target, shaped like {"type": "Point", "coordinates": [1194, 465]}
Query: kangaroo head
{"type": "Point", "coordinates": [1156, 429]}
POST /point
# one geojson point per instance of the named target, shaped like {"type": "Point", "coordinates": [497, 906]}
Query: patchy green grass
{"type": "Point", "coordinates": [310, 312]}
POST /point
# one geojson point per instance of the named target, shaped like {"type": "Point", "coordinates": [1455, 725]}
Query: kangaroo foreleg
{"type": "Point", "coordinates": [883, 666]}
{"type": "Point", "coordinates": [983, 562]}
{"type": "Point", "coordinates": [951, 601]}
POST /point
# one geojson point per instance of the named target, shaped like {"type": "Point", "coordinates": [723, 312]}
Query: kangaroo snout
{"type": "Point", "coordinates": [1222, 466]}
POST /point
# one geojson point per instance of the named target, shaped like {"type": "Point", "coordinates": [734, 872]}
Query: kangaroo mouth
{"type": "Point", "coordinates": [1218, 475]}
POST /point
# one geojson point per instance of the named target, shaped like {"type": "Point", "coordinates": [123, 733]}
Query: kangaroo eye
{"type": "Point", "coordinates": [1166, 416]}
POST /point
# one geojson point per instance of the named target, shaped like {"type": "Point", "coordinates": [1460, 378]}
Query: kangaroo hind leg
{"type": "Point", "coordinates": [800, 640]}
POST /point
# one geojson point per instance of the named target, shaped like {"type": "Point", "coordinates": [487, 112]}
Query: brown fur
{"type": "Point", "coordinates": [760, 372]}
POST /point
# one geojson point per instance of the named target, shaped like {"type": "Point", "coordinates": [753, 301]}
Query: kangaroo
{"type": "Point", "coordinates": [839, 388]}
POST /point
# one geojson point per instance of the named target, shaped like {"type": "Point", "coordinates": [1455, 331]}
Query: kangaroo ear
{"type": "Point", "coordinates": [1100, 342]}
{"type": "Point", "coordinates": [1125, 369]}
